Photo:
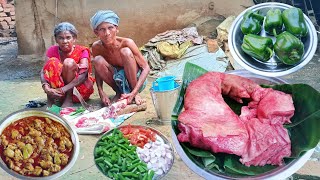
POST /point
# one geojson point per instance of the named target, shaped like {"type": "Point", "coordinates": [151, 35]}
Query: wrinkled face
{"type": "Point", "coordinates": [65, 41]}
{"type": "Point", "coordinates": [107, 32]}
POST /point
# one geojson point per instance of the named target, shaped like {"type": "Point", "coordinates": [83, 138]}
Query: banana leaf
{"type": "Point", "coordinates": [303, 130]}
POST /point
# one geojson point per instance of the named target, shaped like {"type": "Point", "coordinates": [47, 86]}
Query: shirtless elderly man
{"type": "Point", "coordinates": [117, 60]}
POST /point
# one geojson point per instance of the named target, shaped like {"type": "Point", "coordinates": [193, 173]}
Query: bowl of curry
{"type": "Point", "coordinates": [37, 144]}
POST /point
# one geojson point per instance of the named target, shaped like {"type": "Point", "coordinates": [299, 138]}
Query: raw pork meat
{"type": "Point", "coordinates": [208, 122]}
{"type": "Point", "coordinates": [267, 144]}
{"type": "Point", "coordinates": [257, 135]}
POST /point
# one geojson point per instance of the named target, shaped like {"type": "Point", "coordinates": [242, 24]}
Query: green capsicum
{"type": "Point", "coordinates": [288, 48]}
{"type": "Point", "coordinates": [258, 47]}
{"type": "Point", "coordinates": [273, 22]}
{"type": "Point", "coordinates": [294, 22]}
{"type": "Point", "coordinates": [251, 23]}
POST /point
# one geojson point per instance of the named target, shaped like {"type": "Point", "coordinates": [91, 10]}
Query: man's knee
{"type": "Point", "coordinates": [126, 52]}
{"type": "Point", "coordinates": [98, 60]}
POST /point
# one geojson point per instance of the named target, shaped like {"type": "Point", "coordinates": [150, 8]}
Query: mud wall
{"type": "Point", "coordinates": [139, 20]}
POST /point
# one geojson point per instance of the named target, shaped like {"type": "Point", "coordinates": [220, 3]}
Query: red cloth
{"type": "Point", "coordinates": [53, 69]}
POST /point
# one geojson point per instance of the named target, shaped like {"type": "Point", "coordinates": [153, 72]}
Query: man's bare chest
{"type": "Point", "coordinates": [113, 58]}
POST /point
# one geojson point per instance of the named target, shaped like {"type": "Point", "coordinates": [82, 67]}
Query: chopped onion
{"type": "Point", "coordinates": [157, 155]}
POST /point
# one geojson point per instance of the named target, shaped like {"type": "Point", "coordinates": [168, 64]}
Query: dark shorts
{"type": "Point", "coordinates": [122, 83]}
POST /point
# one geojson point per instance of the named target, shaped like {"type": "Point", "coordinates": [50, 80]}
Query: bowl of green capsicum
{"type": "Point", "coordinates": [272, 39]}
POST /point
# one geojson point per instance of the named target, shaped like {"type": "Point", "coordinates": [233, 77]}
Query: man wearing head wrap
{"type": "Point", "coordinates": [117, 60]}
{"type": "Point", "coordinates": [104, 16]}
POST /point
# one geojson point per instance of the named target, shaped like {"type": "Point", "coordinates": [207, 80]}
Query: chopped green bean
{"type": "Point", "coordinates": [129, 174]}
{"type": "Point", "coordinates": [123, 146]}
{"type": "Point", "coordinates": [117, 159]}
{"type": "Point", "coordinates": [114, 169]}
{"type": "Point", "coordinates": [121, 177]}
{"type": "Point", "coordinates": [105, 151]}
{"type": "Point", "coordinates": [110, 174]}
{"type": "Point", "coordinates": [133, 166]}
{"type": "Point", "coordinates": [100, 159]}
{"type": "Point", "coordinates": [100, 165]}
{"type": "Point", "coordinates": [108, 163]}
{"type": "Point", "coordinates": [124, 165]}
{"type": "Point", "coordinates": [113, 158]}
{"type": "Point", "coordinates": [135, 161]}
{"type": "Point", "coordinates": [150, 175]}
{"type": "Point", "coordinates": [121, 141]}
{"type": "Point", "coordinates": [141, 169]}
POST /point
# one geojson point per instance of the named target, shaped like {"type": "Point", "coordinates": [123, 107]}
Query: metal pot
{"type": "Point", "coordinates": [273, 67]}
{"type": "Point", "coordinates": [39, 113]}
{"type": "Point", "coordinates": [281, 172]}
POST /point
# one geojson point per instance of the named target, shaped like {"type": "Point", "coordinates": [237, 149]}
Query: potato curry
{"type": "Point", "coordinates": [35, 146]}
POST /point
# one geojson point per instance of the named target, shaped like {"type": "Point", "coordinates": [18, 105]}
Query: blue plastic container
{"type": "Point", "coordinates": [164, 83]}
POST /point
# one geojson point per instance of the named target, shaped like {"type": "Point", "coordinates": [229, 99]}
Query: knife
{"type": "Point", "coordinates": [82, 101]}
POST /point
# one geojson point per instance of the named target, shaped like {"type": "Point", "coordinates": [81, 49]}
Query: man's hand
{"type": "Point", "coordinates": [129, 97]}
{"type": "Point", "coordinates": [104, 98]}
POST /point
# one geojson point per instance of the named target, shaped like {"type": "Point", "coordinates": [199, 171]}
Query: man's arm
{"type": "Point", "coordinates": [142, 63]}
{"type": "Point", "coordinates": [99, 81]}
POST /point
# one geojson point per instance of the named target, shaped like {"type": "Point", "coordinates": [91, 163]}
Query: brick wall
{"type": "Point", "coordinates": [7, 19]}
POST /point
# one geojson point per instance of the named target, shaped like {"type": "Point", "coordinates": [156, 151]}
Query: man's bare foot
{"type": "Point", "coordinates": [116, 97]}
{"type": "Point", "coordinates": [139, 100]}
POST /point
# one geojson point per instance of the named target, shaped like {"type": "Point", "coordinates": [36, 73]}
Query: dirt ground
{"type": "Point", "coordinates": [19, 83]}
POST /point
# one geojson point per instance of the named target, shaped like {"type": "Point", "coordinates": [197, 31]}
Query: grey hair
{"type": "Point", "coordinates": [65, 26]}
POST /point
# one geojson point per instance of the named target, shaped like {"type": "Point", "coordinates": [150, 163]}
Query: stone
{"type": "Point", "coordinates": [6, 9]}
{"type": "Point", "coordinates": [3, 14]}
{"type": "Point", "coordinates": [213, 45]}
{"type": "Point", "coordinates": [1, 9]}
{"type": "Point", "coordinates": [13, 17]}
{"type": "Point", "coordinates": [12, 26]}
{"type": "Point", "coordinates": [8, 5]}
{"type": "Point", "coordinates": [8, 33]}
{"type": "Point", "coordinates": [4, 34]}
{"type": "Point", "coordinates": [12, 22]}
{"type": "Point", "coordinates": [4, 25]}
{"type": "Point", "coordinates": [8, 19]}
{"type": "Point", "coordinates": [12, 13]}
{"type": "Point", "coordinates": [206, 26]}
